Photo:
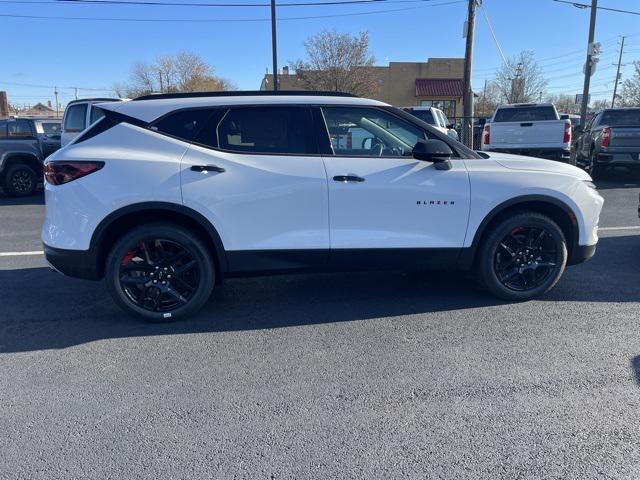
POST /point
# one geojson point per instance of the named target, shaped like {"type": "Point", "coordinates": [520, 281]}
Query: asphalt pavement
{"type": "Point", "coordinates": [363, 375]}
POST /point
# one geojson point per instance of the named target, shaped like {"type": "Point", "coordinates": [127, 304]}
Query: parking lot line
{"type": "Point", "coordinates": [20, 254]}
{"type": "Point", "coordinates": [611, 229]}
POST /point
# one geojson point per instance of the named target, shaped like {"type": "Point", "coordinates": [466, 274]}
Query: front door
{"type": "Point", "coordinates": [382, 200]}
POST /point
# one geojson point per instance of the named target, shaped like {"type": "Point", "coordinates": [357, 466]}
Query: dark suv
{"type": "Point", "coordinates": [24, 144]}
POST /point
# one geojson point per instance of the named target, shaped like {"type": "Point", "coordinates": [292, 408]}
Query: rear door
{"type": "Point", "coordinates": [256, 174]}
{"type": "Point", "coordinates": [384, 202]}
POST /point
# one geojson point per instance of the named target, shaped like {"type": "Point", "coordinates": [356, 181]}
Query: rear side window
{"type": "Point", "coordinates": [525, 114]}
{"type": "Point", "coordinates": [184, 124]}
{"type": "Point", "coordinates": [19, 129]}
{"type": "Point", "coordinates": [75, 118]}
{"type": "Point", "coordinates": [96, 114]}
{"type": "Point", "coordinates": [51, 128]}
{"type": "Point", "coordinates": [273, 130]}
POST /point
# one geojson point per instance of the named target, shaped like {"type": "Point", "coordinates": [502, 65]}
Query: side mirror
{"type": "Point", "coordinates": [435, 151]}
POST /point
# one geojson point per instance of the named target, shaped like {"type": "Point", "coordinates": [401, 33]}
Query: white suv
{"type": "Point", "coordinates": [168, 194]}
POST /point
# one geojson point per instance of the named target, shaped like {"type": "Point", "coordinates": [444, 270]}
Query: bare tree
{"type": "Point", "coordinates": [338, 62]}
{"type": "Point", "coordinates": [184, 72]}
{"type": "Point", "coordinates": [564, 102]}
{"type": "Point", "coordinates": [600, 104]}
{"type": "Point", "coordinates": [489, 99]}
{"type": "Point", "coordinates": [521, 80]}
{"type": "Point", "coordinates": [631, 88]}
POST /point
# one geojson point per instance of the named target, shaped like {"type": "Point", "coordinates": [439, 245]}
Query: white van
{"type": "Point", "coordinates": [79, 114]}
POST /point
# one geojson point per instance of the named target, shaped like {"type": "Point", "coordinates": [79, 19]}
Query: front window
{"type": "Point", "coordinates": [424, 115]}
{"type": "Point", "coordinates": [447, 106]}
{"type": "Point", "coordinates": [75, 118]}
{"type": "Point", "coordinates": [370, 132]}
{"type": "Point", "coordinates": [96, 114]}
{"type": "Point", "coordinates": [51, 128]}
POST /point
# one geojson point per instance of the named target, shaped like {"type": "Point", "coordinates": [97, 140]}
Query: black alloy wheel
{"type": "Point", "coordinates": [526, 258]}
{"type": "Point", "coordinates": [20, 180]}
{"type": "Point", "coordinates": [159, 275]}
{"type": "Point", "coordinates": [522, 256]}
{"type": "Point", "coordinates": [160, 272]}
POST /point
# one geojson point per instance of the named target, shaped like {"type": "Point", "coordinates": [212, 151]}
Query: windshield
{"type": "Point", "coordinates": [615, 118]}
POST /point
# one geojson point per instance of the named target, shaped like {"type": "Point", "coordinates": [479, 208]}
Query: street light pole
{"type": "Point", "coordinates": [588, 65]}
{"type": "Point", "coordinates": [274, 45]}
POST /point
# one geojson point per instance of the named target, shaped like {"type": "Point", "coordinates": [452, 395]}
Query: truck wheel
{"type": "Point", "coordinates": [19, 180]}
{"type": "Point", "coordinates": [522, 257]}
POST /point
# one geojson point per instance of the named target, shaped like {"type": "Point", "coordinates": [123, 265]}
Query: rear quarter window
{"type": "Point", "coordinates": [184, 124]}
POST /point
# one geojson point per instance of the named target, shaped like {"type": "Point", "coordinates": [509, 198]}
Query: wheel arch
{"type": "Point", "coordinates": [108, 230]}
{"type": "Point", "coordinates": [28, 158]}
{"type": "Point", "coordinates": [556, 209]}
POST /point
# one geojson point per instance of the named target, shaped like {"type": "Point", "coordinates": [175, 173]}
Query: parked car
{"type": "Point", "coordinates": [24, 144]}
{"type": "Point", "coordinates": [169, 194]}
{"type": "Point", "coordinates": [79, 114]}
{"type": "Point", "coordinates": [533, 129]}
{"type": "Point", "coordinates": [611, 138]}
{"type": "Point", "coordinates": [436, 117]}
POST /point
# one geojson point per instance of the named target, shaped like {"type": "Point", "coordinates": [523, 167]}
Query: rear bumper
{"type": "Point", "coordinates": [618, 158]}
{"type": "Point", "coordinates": [73, 263]}
{"type": "Point", "coordinates": [562, 154]}
{"type": "Point", "coordinates": [581, 253]}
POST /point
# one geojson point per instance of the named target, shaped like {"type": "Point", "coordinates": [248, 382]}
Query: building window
{"type": "Point", "coordinates": [447, 106]}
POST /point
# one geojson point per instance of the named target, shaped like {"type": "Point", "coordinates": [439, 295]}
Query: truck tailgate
{"type": "Point", "coordinates": [535, 134]}
{"type": "Point", "coordinates": [622, 137]}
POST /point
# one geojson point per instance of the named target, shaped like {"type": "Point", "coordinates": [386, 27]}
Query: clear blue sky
{"type": "Point", "coordinates": [96, 54]}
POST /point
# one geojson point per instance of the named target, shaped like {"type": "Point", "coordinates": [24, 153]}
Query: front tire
{"type": "Point", "coordinates": [522, 257]}
{"type": "Point", "coordinates": [160, 273]}
{"type": "Point", "coordinates": [19, 180]}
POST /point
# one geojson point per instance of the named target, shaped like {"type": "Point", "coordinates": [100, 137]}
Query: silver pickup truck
{"type": "Point", "coordinates": [24, 144]}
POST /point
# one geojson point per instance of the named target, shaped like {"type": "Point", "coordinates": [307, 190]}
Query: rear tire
{"type": "Point", "coordinates": [522, 257]}
{"type": "Point", "coordinates": [19, 180]}
{"type": "Point", "coordinates": [160, 272]}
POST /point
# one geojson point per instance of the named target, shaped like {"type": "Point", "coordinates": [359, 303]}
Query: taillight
{"type": "Point", "coordinates": [57, 173]}
{"type": "Point", "coordinates": [486, 136]}
{"type": "Point", "coordinates": [567, 132]}
{"type": "Point", "coordinates": [606, 136]}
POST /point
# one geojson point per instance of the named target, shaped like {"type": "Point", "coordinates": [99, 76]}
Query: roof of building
{"type": "Point", "coordinates": [439, 87]}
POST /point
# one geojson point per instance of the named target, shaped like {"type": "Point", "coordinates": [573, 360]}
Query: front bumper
{"type": "Point", "coordinates": [581, 253]}
{"type": "Point", "coordinates": [73, 263]}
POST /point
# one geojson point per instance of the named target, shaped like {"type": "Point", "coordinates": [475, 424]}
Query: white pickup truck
{"type": "Point", "coordinates": [532, 129]}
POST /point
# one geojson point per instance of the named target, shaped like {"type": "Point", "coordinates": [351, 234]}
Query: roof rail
{"type": "Point", "coordinates": [242, 93]}
{"type": "Point", "coordinates": [94, 99]}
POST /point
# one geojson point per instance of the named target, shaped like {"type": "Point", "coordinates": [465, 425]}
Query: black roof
{"type": "Point", "coordinates": [242, 93]}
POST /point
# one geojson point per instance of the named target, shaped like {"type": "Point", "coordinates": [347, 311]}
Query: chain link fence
{"type": "Point", "coordinates": [477, 125]}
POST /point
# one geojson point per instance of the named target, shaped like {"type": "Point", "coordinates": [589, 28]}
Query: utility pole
{"type": "Point", "coordinates": [540, 99]}
{"type": "Point", "coordinates": [76, 92]}
{"type": "Point", "coordinates": [467, 121]}
{"type": "Point", "coordinates": [484, 99]}
{"type": "Point", "coordinates": [615, 85]}
{"type": "Point", "coordinates": [588, 65]}
{"type": "Point", "coordinates": [55, 92]}
{"type": "Point", "coordinates": [274, 45]}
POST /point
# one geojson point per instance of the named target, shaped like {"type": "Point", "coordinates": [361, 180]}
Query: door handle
{"type": "Point", "coordinates": [207, 168]}
{"type": "Point", "coordinates": [348, 178]}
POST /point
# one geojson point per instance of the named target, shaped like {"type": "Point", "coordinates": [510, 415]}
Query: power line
{"type": "Point", "coordinates": [225, 20]}
{"type": "Point", "coordinates": [585, 5]}
{"type": "Point", "coordinates": [31, 85]}
{"type": "Point", "coordinates": [190, 4]}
